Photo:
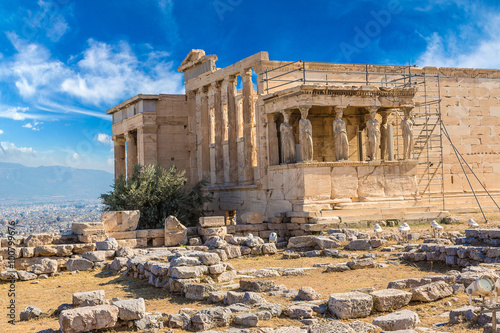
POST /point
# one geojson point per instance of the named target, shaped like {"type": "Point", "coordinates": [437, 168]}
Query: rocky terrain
{"type": "Point", "coordinates": [344, 280]}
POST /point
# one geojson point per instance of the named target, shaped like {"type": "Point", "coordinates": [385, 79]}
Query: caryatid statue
{"type": "Point", "coordinates": [305, 135]}
{"type": "Point", "coordinates": [340, 136]}
{"type": "Point", "coordinates": [287, 139]}
{"type": "Point", "coordinates": [407, 129]}
{"type": "Point", "coordinates": [373, 131]}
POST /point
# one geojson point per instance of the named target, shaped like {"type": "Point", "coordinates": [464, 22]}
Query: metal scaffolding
{"type": "Point", "coordinates": [428, 141]}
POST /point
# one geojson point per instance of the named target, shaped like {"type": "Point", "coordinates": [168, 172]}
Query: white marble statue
{"type": "Point", "coordinates": [340, 137]}
{"type": "Point", "coordinates": [373, 131]}
{"type": "Point", "coordinates": [287, 140]}
{"type": "Point", "coordinates": [305, 136]}
{"type": "Point", "coordinates": [407, 129]}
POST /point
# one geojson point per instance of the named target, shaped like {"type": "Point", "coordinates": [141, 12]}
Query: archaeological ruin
{"type": "Point", "coordinates": [318, 143]}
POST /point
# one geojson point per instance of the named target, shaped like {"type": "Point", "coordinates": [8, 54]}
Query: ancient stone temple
{"type": "Point", "coordinates": [319, 141]}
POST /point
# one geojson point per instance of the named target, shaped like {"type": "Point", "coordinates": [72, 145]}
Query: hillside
{"type": "Point", "coordinates": [18, 182]}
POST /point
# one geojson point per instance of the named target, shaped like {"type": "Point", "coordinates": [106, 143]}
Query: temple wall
{"type": "Point", "coordinates": [174, 145]}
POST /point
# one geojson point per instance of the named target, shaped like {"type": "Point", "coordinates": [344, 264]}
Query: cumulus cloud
{"type": "Point", "coordinates": [108, 73]}
{"type": "Point", "coordinates": [101, 75]}
{"type": "Point", "coordinates": [103, 138]}
{"type": "Point", "coordinates": [1, 131]}
{"type": "Point", "coordinates": [463, 47]}
{"type": "Point", "coordinates": [10, 153]}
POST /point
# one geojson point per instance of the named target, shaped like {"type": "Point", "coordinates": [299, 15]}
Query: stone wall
{"type": "Point", "coordinates": [477, 247]}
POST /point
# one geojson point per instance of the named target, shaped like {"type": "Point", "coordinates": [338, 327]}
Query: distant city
{"type": "Point", "coordinates": [47, 216]}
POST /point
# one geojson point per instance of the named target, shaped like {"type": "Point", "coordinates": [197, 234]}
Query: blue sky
{"type": "Point", "coordinates": [63, 63]}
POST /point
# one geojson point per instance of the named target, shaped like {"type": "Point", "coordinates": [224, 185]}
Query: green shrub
{"type": "Point", "coordinates": [157, 193]}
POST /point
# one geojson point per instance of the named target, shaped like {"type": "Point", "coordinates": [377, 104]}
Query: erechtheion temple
{"type": "Point", "coordinates": [321, 141]}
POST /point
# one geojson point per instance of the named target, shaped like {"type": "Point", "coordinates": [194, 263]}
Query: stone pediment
{"type": "Point", "coordinates": [195, 58]}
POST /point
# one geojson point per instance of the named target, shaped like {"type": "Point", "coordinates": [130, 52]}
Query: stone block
{"type": "Point", "coordinates": [79, 264]}
{"type": "Point", "coordinates": [118, 235]}
{"type": "Point", "coordinates": [88, 298]}
{"type": "Point", "coordinates": [350, 305]}
{"type": "Point", "coordinates": [401, 320]}
{"type": "Point", "coordinates": [45, 250]}
{"type": "Point", "coordinates": [390, 299]}
{"type": "Point", "coordinates": [175, 233]}
{"type": "Point", "coordinates": [301, 242]}
{"type": "Point", "coordinates": [212, 221]}
{"type": "Point", "coordinates": [44, 266]}
{"type": "Point", "coordinates": [88, 318]}
{"type": "Point", "coordinates": [252, 218]}
{"type": "Point", "coordinates": [39, 239]}
{"type": "Point", "coordinates": [81, 228]}
{"type": "Point", "coordinates": [131, 309]}
{"type": "Point", "coordinates": [126, 220]}
{"type": "Point", "coordinates": [199, 291]}
{"type": "Point", "coordinates": [431, 292]}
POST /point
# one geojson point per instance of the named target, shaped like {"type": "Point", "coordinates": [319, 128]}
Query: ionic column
{"type": "Point", "coordinates": [131, 153]}
{"type": "Point", "coordinates": [232, 134]}
{"type": "Point", "coordinates": [204, 133]}
{"type": "Point", "coordinates": [119, 142]}
{"type": "Point", "coordinates": [219, 152]}
{"type": "Point", "coordinates": [248, 116]}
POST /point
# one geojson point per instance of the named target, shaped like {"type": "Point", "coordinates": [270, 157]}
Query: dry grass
{"type": "Point", "coordinates": [50, 293]}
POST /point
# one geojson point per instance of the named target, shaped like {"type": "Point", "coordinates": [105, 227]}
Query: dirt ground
{"type": "Point", "coordinates": [50, 293]}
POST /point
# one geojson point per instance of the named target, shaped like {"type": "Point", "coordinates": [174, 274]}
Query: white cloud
{"type": "Point", "coordinates": [104, 139]}
{"type": "Point", "coordinates": [17, 113]}
{"type": "Point", "coordinates": [105, 74]}
{"type": "Point", "coordinates": [33, 126]}
{"type": "Point", "coordinates": [463, 47]}
{"type": "Point", "coordinates": [49, 18]}
{"type": "Point", "coordinates": [10, 153]}
{"type": "Point", "coordinates": [33, 69]}
{"type": "Point", "coordinates": [109, 73]}
{"type": "Point", "coordinates": [1, 131]}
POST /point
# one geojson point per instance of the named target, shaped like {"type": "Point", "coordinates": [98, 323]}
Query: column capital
{"type": "Point", "coordinates": [119, 139]}
{"type": "Point", "coordinates": [230, 78]}
{"type": "Point", "coordinates": [246, 72]}
{"type": "Point", "coordinates": [339, 108]}
{"type": "Point", "coordinates": [216, 85]}
{"type": "Point", "coordinates": [129, 135]}
{"type": "Point", "coordinates": [203, 90]}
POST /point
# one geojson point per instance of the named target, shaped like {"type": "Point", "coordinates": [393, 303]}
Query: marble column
{"type": "Point", "coordinates": [383, 136]}
{"type": "Point", "coordinates": [131, 139]}
{"type": "Point", "coordinates": [232, 134]}
{"type": "Point", "coordinates": [219, 152]}
{"type": "Point", "coordinates": [248, 118]}
{"type": "Point", "coordinates": [119, 143]}
{"type": "Point", "coordinates": [204, 133]}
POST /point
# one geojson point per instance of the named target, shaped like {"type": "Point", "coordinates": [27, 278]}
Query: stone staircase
{"type": "Point", "coordinates": [365, 213]}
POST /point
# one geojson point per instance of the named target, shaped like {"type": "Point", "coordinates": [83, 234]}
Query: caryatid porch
{"type": "Point", "coordinates": [336, 145]}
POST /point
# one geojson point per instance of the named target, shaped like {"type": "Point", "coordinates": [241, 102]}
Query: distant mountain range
{"type": "Point", "coordinates": [19, 182]}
